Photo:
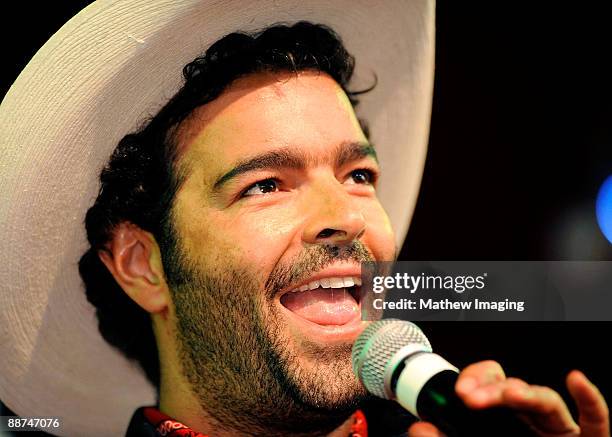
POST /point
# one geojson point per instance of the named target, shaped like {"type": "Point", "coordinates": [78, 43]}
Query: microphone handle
{"type": "Point", "coordinates": [439, 404]}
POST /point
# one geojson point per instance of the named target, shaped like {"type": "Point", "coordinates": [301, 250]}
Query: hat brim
{"type": "Point", "coordinates": [97, 79]}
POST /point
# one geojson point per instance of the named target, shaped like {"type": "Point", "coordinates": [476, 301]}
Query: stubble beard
{"type": "Point", "coordinates": [234, 353]}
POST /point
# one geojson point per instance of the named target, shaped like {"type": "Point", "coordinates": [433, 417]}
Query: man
{"type": "Point", "coordinates": [233, 225]}
{"type": "Point", "coordinates": [248, 268]}
{"type": "Point", "coordinates": [273, 187]}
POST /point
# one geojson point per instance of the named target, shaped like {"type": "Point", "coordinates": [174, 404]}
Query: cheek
{"type": "Point", "coordinates": [263, 238]}
{"type": "Point", "coordinates": [254, 239]}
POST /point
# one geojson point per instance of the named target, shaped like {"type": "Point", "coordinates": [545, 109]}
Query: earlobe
{"type": "Point", "coordinates": [133, 258]}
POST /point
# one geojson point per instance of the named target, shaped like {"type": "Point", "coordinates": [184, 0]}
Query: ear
{"type": "Point", "coordinates": [134, 259]}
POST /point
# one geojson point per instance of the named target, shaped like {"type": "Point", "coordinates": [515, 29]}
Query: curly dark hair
{"type": "Point", "coordinates": [140, 181]}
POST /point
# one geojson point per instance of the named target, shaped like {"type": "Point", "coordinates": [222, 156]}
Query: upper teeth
{"type": "Point", "coordinates": [335, 282]}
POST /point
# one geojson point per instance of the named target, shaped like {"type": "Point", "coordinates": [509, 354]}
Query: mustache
{"type": "Point", "coordinates": [312, 260]}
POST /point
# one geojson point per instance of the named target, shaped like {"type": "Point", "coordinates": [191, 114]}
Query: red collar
{"type": "Point", "coordinates": [168, 427]}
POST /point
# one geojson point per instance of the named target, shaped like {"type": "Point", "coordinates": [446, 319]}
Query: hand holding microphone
{"type": "Point", "coordinates": [394, 360]}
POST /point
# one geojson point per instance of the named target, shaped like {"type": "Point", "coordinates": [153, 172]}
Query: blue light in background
{"type": "Point", "coordinates": [603, 208]}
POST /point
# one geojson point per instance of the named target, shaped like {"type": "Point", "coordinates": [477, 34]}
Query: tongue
{"type": "Point", "coordinates": [324, 306]}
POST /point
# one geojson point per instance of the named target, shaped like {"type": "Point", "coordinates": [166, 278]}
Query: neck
{"type": "Point", "coordinates": [184, 407]}
{"type": "Point", "coordinates": [220, 413]}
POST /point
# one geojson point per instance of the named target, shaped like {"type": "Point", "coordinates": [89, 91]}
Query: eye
{"type": "Point", "coordinates": [261, 187]}
{"type": "Point", "coordinates": [363, 176]}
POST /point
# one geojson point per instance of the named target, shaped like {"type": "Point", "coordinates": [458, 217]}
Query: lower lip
{"type": "Point", "coordinates": [347, 332]}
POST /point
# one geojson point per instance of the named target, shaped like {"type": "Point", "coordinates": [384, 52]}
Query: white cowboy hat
{"type": "Point", "coordinates": [96, 80]}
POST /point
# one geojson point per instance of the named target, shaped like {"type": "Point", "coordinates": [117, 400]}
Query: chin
{"type": "Point", "coordinates": [320, 374]}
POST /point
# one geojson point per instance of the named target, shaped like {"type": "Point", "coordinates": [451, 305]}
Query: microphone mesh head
{"type": "Point", "coordinates": [377, 344]}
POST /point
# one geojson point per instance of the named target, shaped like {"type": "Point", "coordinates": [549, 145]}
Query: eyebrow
{"type": "Point", "coordinates": [290, 158]}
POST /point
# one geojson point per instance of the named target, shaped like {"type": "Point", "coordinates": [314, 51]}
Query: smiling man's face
{"type": "Point", "coordinates": [277, 209]}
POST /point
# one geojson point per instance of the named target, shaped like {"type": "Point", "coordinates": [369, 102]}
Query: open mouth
{"type": "Point", "coordinates": [327, 301]}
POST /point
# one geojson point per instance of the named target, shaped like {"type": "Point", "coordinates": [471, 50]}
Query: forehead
{"type": "Point", "coordinates": [308, 110]}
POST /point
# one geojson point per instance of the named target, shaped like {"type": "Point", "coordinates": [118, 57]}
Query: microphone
{"type": "Point", "coordinates": [394, 360]}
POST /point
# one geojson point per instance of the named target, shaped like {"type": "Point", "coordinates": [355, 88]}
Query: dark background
{"type": "Point", "coordinates": [521, 140]}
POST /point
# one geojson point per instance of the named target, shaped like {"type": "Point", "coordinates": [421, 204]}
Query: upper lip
{"type": "Point", "coordinates": [333, 271]}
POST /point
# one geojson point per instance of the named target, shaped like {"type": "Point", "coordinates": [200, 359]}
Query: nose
{"type": "Point", "coordinates": [333, 216]}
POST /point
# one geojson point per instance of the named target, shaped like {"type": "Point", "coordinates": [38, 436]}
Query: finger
{"type": "Point", "coordinates": [424, 429]}
{"type": "Point", "coordinates": [478, 375]}
{"type": "Point", "coordinates": [542, 406]}
{"type": "Point", "coordinates": [492, 395]}
{"type": "Point", "coordinates": [594, 416]}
